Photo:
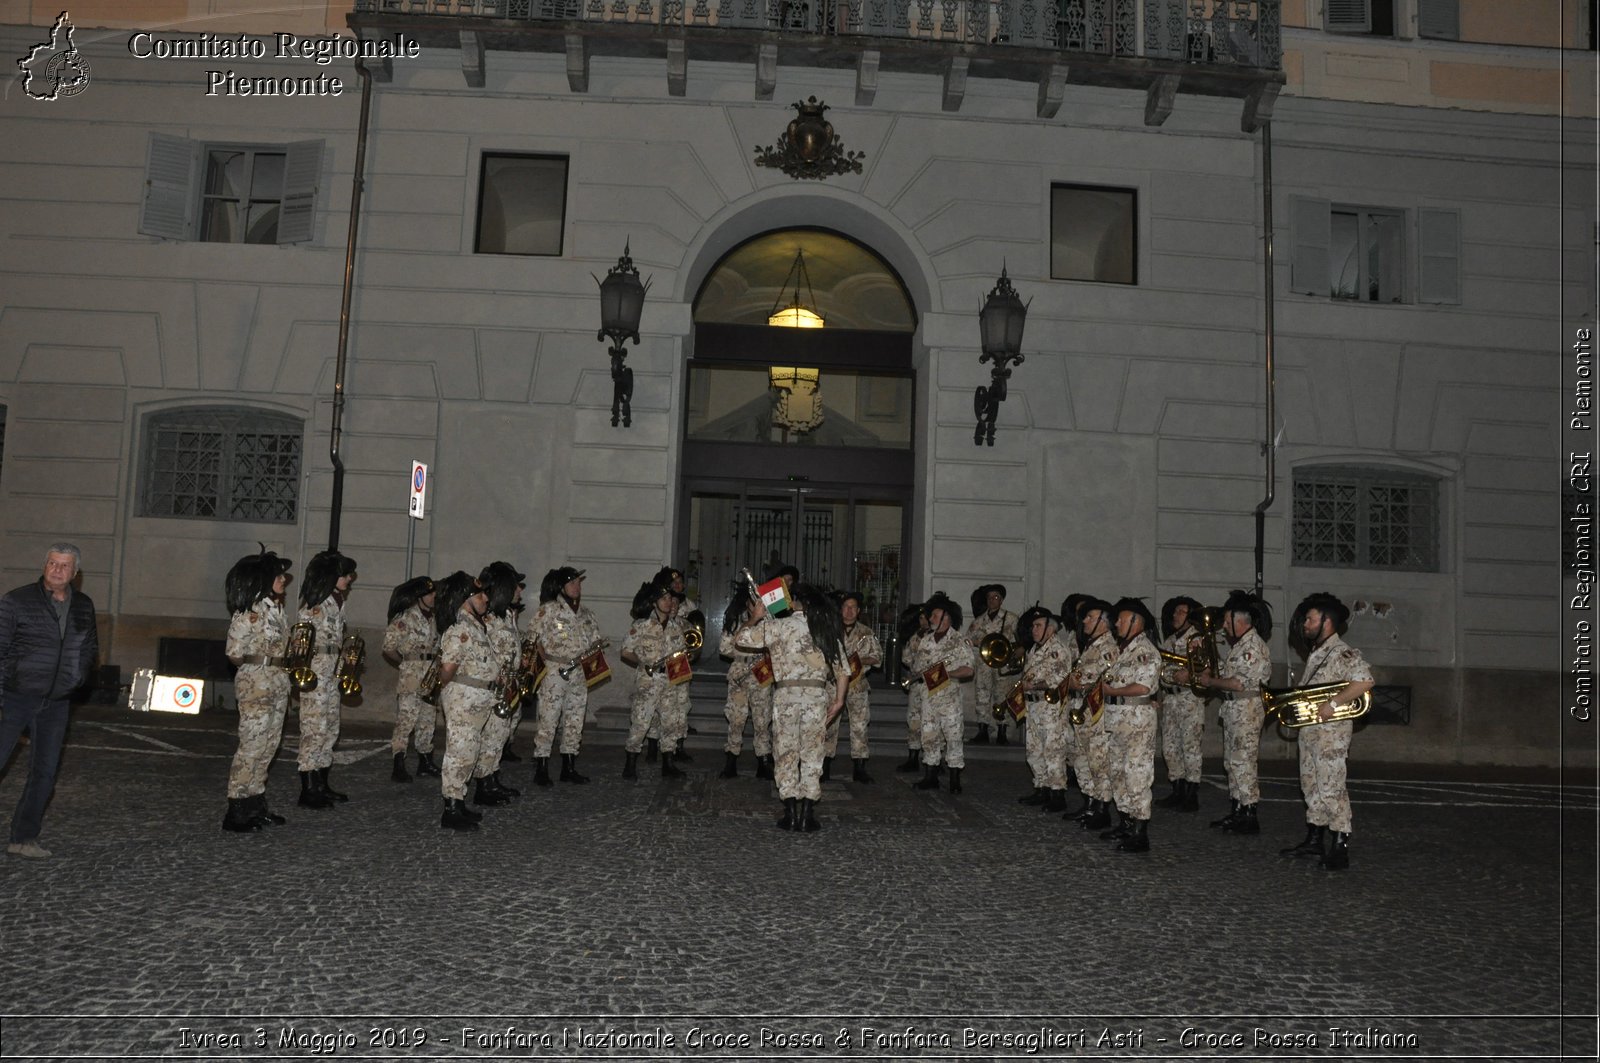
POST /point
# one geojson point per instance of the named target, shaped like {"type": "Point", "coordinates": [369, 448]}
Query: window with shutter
{"type": "Point", "coordinates": [230, 193]}
{"type": "Point", "coordinates": [1439, 20]}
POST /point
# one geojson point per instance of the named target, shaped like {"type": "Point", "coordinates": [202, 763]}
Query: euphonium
{"type": "Point", "coordinates": [507, 691]}
{"type": "Point", "coordinates": [302, 640]}
{"type": "Point", "coordinates": [428, 685]}
{"type": "Point", "coordinates": [352, 655]}
{"type": "Point", "coordinates": [1302, 706]}
{"type": "Point", "coordinates": [527, 666]}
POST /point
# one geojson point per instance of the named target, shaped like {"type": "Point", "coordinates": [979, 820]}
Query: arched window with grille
{"type": "Point", "coordinates": [222, 463]}
{"type": "Point", "coordinates": [1359, 516]}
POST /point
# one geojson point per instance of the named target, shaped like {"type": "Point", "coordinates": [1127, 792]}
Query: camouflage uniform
{"type": "Point", "coordinates": [914, 693]}
{"type": "Point", "coordinates": [800, 702]}
{"type": "Point", "coordinates": [988, 685]}
{"type": "Point", "coordinates": [467, 704]}
{"type": "Point", "coordinates": [1182, 717]}
{"type": "Point", "coordinates": [942, 725]}
{"type": "Point", "coordinates": [1130, 722]}
{"type": "Point", "coordinates": [319, 709]}
{"type": "Point", "coordinates": [1242, 715]}
{"type": "Point", "coordinates": [860, 640]}
{"type": "Point", "coordinates": [1091, 743]}
{"type": "Point", "coordinates": [564, 636]}
{"type": "Point", "coordinates": [412, 637]}
{"type": "Point", "coordinates": [507, 641]}
{"type": "Point", "coordinates": [1046, 665]}
{"type": "Point", "coordinates": [747, 699]}
{"type": "Point", "coordinates": [262, 690]}
{"type": "Point", "coordinates": [651, 642]}
{"type": "Point", "coordinates": [1324, 746]}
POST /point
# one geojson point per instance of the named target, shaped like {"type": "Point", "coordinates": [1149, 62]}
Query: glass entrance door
{"type": "Point", "coordinates": [842, 538]}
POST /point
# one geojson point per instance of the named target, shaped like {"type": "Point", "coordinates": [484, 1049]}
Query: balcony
{"type": "Point", "coordinates": [1229, 48]}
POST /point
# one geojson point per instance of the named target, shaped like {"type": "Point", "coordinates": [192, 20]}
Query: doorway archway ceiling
{"type": "Point", "coordinates": [854, 288]}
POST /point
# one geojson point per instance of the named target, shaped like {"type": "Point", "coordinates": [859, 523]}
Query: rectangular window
{"type": "Point", "coordinates": [1367, 255]}
{"type": "Point", "coordinates": [1375, 254]}
{"type": "Point", "coordinates": [222, 464]}
{"type": "Point", "coordinates": [243, 192]}
{"type": "Point", "coordinates": [230, 193]}
{"type": "Point", "coordinates": [1439, 20]}
{"type": "Point", "coordinates": [1365, 518]}
{"type": "Point", "coordinates": [1092, 234]}
{"type": "Point", "coordinates": [522, 204]}
{"type": "Point", "coordinates": [1375, 17]}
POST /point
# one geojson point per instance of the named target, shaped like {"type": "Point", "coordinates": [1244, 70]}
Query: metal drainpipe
{"type": "Point", "coordinates": [340, 360]}
{"type": "Point", "coordinates": [1271, 451]}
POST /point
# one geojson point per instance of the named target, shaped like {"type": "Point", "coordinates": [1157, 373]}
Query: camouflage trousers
{"type": "Point", "coordinates": [986, 690]}
{"type": "Point", "coordinates": [1132, 754]}
{"type": "Point", "coordinates": [562, 705]}
{"type": "Point", "coordinates": [914, 716]}
{"type": "Point", "coordinates": [858, 707]}
{"type": "Point", "coordinates": [657, 702]}
{"type": "Point", "coordinates": [943, 727]}
{"type": "Point", "coordinates": [1324, 748]}
{"type": "Point", "coordinates": [497, 732]}
{"type": "Point", "coordinates": [415, 721]}
{"type": "Point", "coordinates": [1183, 721]}
{"type": "Point", "coordinates": [1093, 763]}
{"type": "Point", "coordinates": [466, 710]}
{"type": "Point", "coordinates": [319, 716]}
{"type": "Point", "coordinates": [679, 693]}
{"type": "Point", "coordinates": [749, 700]}
{"type": "Point", "coordinates": [798, 718]}
{"type": "Point", "coordinates": [1241, 748]}
{"type": "Point", "coordinates": [1046, 744]}
{"type": "Point", "coordinates": [262, 705]}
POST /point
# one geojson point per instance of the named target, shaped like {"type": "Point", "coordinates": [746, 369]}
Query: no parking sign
{"type": "Point", "coordinates": [419, 489]}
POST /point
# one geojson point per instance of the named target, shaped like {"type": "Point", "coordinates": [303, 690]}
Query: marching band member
{"type": "Point", "coordinates": [690, 615]}
{"type": "Point", "coordinates": [1182, 711]}
{"type": "Point", "coordinates": [504, 584]}
{"type": "Point", "coordinates": [942, 658]}
{"type": "Point", "coordinates": [748, 697]}
{"type": "Point", "coordinates": [1247, 623]}
{"type": "Point", "coordinates": [861, 647]}
{"type": "Point", "coordinates": [322, 596]}
{"type": "Point", "coordinates": [987, 686]}
{"type": "Point", "coordinates": [811, 672]}
{"type": "Point", "coordinates": [566, 632]}
{"type": "Point", "coordinates": [913, 629]}
{"type": "Point", "coordinates": [1098, 649]}
{"type": "Point", "coordinates": [258, 640]}
{"type": "Point", "coordinates": [1049, 659]}
{"type": "Point", "coordinates": [469, 666]}
{"type": "Point", "coordinates": [1320, 622]}
{"type": "Point", "coordinates": [656, 635]}
{"type": "Point", "coordinates": [410, 643]}
{"type": "Point", "coordinates": [1130, 721]}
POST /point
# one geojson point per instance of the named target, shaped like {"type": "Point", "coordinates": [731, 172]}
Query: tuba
{"type": "Point", "coordinates": [352, 655]}
{"type": "Point", "coordinates": [302, 640]}
{"type": "Point", "coordinates": [1302, 706]}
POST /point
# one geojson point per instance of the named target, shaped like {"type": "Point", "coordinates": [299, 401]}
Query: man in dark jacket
{"type": "Point", "coordinates": [48, 646]}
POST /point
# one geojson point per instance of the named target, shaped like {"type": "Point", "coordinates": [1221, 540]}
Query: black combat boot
{"type": "Point", "coordinates": [1000, 738]}
{"type": "Point", "coordinates": [827, 770]}
{"type": "Point", "coordinates": [930, 778]}
{"type": "Point", "coordinates": [1311, 846]}
{"type": "Point", "coordinates": [456, 816]}
{"type": "Point", "coordinates": [669, 770]}
{"type": "Point", "coordinates": [1138, 837]}
{"type": "Point", "coordinates": [322, 773]}
{"type": "Point", "coordinates": [1191, 796]}
{"type": "Point", "coordinates": [311, 795]}
{"type": "Point", "coordinates": [860, 772]}
{"type": "Point", "coordinates": [1338, 858]}
{"type": "Point", "coordinates": [730, 766]}
{"type": "Point", "coordinates": [471, 813]}
{"type": "Point", "coordinates": [509, 755]}
{"type": "Point", "coordinates": [541, 771]}
{"type": "Point", "coordinates": [1175, 798]}
{"type": "Point", "coordinates": [808, 817]}
{"type": "Point", "coordinates": [630, 765]}
{"type": "Point", "coordinates": [1055, 801]}
{"type": "Point", "coordinates": [789, 815]}
{"type": "Point", "coordinates": [426, 765]}
{"type": "Point", "coordinates": [1245, 822]}
{"type": "Point", "coordinates": [486, 795]}
{"type": "Point", "coordinates": [955, 780]}
{"type": "Point", "coordinates": [764, 767]}
{"type": "Point", "coordinates": [500, 786]}
{"type": "Point", "coordinates": [681, 754]}
{"type": "Point", "coordinates": [1099, 816]}
{"type": "Point", "coordinates": [1120, 831]}
{"type": "Point", "coordinates": [1226, 822]}
{"type": "Point", "coordinates": [238, 819]}
{"type": "Point", "coordinates": [1036, 796]}
{"type": "Point", "coordinates": [652, 749]}
{"type": "Point", "coordinates": [1076, 814]}
{"type": "Point", "coordinates": [982, 737]}
{"type": "Point", "coordinates": [569, 769]}
{"type": "Point", "coordinates": [399, 774]}
{"type": "Point", "coordinates": [913, 761]}
{"type": "Point", "coordinates": [262, 814]}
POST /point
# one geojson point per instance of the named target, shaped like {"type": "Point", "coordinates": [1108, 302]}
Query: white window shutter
{"type": "Point", "coordinates": [1347, 16]}
{"type": "Point", "coordinates": [1439, 20]}
{"type": "Point", "coordinates": [302, 170]}
{"type": "Point", "coordinates": [1438, 255]}
{"type": "Point", "coordinates": [1312, 234]}
{"type": "Point", "coordinates": [171, 169]}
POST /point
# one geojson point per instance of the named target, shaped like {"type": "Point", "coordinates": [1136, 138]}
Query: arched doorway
{"type": "Point", "coordinates": [798, 440]}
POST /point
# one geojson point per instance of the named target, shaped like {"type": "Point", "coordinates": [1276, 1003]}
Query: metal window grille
{"type": "Point", "coordinates": [223, 464]}
{"type": "Point", "coordinates": [1366, 518]}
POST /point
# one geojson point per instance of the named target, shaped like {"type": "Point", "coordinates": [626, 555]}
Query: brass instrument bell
{"type": "Point", "coordinates": [1302, 706]}
{"type": "Point", "coordinates": [352, 655]}
{"type": "Point", "coordinates": [302, 641]}
{"type": "Point", "coordinates": [995, 649]}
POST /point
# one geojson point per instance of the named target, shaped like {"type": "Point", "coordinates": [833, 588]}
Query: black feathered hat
{"type": "Point", "coordinates": [408, 594]}
{"type": "Point", "coordinates": [555, 579]}
{"type": "Point", "coordinates": [644, 600]}
{"type": "Point", "coordinates": [449, 594]}
{"type": "Point", "coordinates": [1025, 622]}
{"type": "Point", "coordinates": [943, 601]}
{"type": "Point", "coordinates": [251, 578]}
{"type": "Point", "coordinates": [998, 588]}
{"type": "Point", "coordinates": [844, 596]}
{"type": "Point", "coordinates": [502, 580]}
{"type": "Point", "coordinates": [1255, 608]}
{"type": "Point", "coordinates": [1170, 609]}
{"type": "Point", "coordinates": [322, 572]}
{"type": "Point", "coordinates": [1326, 604]}
{"type": "Point", "coordinates": [1137, 607]}
{"type": "Point", "coordinates": [1088, 603]}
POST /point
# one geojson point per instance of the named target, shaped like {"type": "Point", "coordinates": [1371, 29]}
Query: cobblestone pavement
{"type": "Point", "coordinates": [660, 918]}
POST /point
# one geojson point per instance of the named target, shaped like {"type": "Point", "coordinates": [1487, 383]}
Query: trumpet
{"type": "Point", "coordinates": [694, 638]}
{"type": "Point", "coordinates": [1302, 706]}
{"type": "Point", "coordinates": [507, 691]}
{"type": "Point", "coordinates": [1094, 702]}
{"type": "Point", "coordinates": [597, 644]}
{"type": "Point", "coordinates": [302, 640]}
{"type": "Point", "coordinates": [352, 655]}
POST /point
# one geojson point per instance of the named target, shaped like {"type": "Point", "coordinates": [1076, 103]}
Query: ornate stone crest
{"type": "Point", "coordinates": [809, 148]}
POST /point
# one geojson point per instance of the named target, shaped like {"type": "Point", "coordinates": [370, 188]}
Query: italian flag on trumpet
{"type": "Point", "coordinates": [775, 596]}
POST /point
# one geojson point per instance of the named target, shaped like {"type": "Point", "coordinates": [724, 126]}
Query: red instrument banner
{"type": "Point", "coordinates": [761, 669]}
{"type": "Point", "coordinates": [595, 668]}
{"type": "Point", "coordinates": [936, 677]}
{"type": "Point", "coordinates": [856, 671]}
{"type": "Point", "coordinates": [678, 669]}
{"type": "Point", "coordinates": [1016, 703]}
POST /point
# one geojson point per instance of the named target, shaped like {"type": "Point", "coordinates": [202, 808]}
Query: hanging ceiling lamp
{"type": "Point", "coordinates": [796, 314]}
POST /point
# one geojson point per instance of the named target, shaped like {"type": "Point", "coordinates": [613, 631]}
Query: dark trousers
{"type": "Point", "coordinates": [46, 724]}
